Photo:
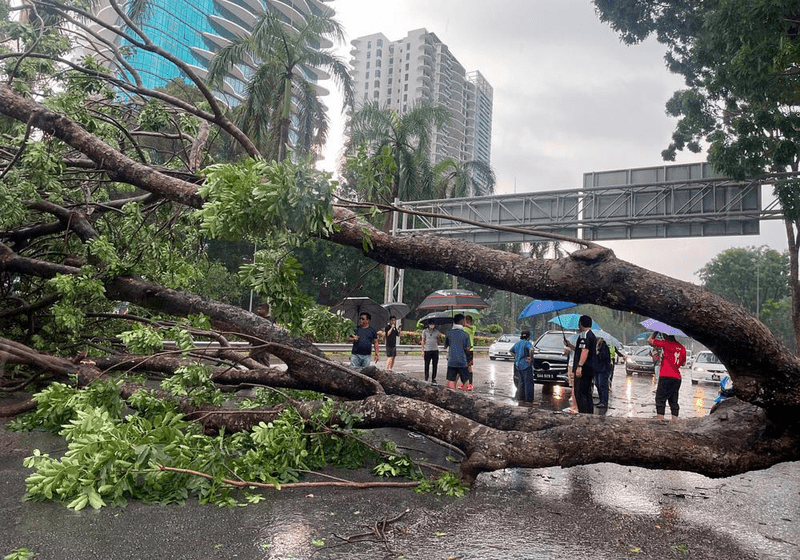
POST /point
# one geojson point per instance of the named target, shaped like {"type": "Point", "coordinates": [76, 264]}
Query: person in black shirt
{"type": "Point", "coordinates": [391, 331]}
{"type": "Point", "coordinates": [363, 339]}
{"type": "Point", "coordinates": [583, 365]}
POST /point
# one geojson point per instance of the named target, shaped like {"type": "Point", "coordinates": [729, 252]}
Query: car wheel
{"type": "Point", "coordinates": [695, 382]}
{"type": "Point", "coordinates": [547, 387]}
{"type": "Point", "coordinates": [492, 358]}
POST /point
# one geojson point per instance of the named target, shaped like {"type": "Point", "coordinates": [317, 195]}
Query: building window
{"type": "Point", "coordinates": [377, 84]}
{"type": "Point", "coordinates": [377, 73]}
{"type": "Point", "coordinates": [376, 95]}
{"type": "Point", "coordinates": [368, 64]}
{"type": "Point", "coordinates": [406, 77]}
{"type": "Point", "coordinates": [369, 54]}
{"type": "Point", "coordinates": [367, 76]}
{"type": "Point", "coordinates": [378, 53]}
{"type": "Point", "coordinates": [377, 64]}
{"type": "Point", "coordinates": [405, 97]}
{"type": "Point", "coordinates": [405, 86]}
{"type": "Point", "coordinates": [406, 67]}
{"type": "Point", "coordinates": [408, 56]}
{"type": "Point", "coordinates": [369, 44]}
{"type": "Point", "coordinates": [380, 43]}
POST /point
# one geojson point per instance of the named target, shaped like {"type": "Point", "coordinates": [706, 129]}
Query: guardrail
{"type": "Point", "coordinates": [327, 347]}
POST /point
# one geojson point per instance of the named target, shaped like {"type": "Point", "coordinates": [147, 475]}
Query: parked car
{"type": "Point", "coordinates": [550, 362]}
{"type": "Point", "coordinates": [500, 349]}
{"type": "Point", "coordinates": [640, 360]}
{"type": "Point", "coordinates": [707, 367]}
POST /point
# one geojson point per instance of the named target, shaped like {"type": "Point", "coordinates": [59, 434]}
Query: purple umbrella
{"type": "Point", "coordinates": [658, 326]}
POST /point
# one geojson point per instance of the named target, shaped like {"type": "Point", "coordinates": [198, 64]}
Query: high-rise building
{"type": "Point", "coordinates": [193, 30]}
{"type": "Point", "coordinates": [397, 74]}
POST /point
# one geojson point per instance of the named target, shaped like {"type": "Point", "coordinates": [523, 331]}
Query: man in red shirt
{"type": "Point", "coordinates": [669, 379]}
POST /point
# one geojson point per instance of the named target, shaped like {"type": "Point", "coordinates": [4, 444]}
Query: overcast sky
{"type": "Point", "coordinates": [569, 98]}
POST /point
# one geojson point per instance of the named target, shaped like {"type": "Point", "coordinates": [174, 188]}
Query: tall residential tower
{"type": "Point", "coordinates": [396, 74]}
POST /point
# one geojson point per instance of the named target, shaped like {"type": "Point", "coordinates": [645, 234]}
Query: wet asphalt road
{"type": "Point", "coordinates": [630, 396]}
{"type": "Point", "coordinates": [597, 512]}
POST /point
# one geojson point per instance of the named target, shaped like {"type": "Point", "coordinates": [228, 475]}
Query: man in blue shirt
{"type": "Point", "coordinates": [523, 360]}
{"type": "Point", "coordinates": [457, 362]}
{"type": "Point", "coordinates": [363, 339]}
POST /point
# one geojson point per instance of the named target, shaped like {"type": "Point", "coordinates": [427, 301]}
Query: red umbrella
{"type": "Point", "coordinates": [444, 300]}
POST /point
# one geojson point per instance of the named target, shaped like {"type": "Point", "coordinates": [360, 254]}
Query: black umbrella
{"type": "Point", "coordinates": [438, 317]}
{"type": "Point", "coordinates": [396, 309]}
{"type": "Point", "coordinates": [352, 307]}
{"type": "Point", "coordinates": [443, 300]}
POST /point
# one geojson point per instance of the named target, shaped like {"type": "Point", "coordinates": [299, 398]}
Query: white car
{"type": "Point", "coordinates": [500, 350]}
{"type": "Point", "coordinates": [708, 368]}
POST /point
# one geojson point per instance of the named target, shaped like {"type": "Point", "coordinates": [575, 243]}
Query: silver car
{"type": "Point", "coordinates": [500, 350]}
{"type": "Point", "coordinates": [708, 368]}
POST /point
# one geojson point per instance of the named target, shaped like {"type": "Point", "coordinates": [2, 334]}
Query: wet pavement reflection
{"type": "Point", "coordinates": [629, 396]}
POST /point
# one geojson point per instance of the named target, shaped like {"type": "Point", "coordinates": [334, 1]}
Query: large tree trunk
{"type": "Point", "coordinates": [765, 372]}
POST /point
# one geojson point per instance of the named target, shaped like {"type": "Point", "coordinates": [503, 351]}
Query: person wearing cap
{"type": "Point", "coordinates": [523, 360]}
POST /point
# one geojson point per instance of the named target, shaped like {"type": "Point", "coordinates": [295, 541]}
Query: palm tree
{"type": "Point", "coordinates": [457, 179]}
{"type": "Point", "coordinates": [408, 137]}
{"type": "Point", "coordinates": [279, 90]}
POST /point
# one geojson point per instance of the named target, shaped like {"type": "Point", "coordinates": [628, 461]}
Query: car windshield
{"type": "Point", "coordinates": [508, 338]}
{"type": "Point", "coordinates": [643, 351]}
{"type": "Point", "coordinates": [551, 341]}
{"type": "Point", "coordinates": [707, 358]}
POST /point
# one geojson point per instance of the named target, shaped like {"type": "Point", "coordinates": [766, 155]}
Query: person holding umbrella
{"type": "Point", "coordinates": [669, 379]}
{"type": "Point", "coordinates": [364, 337]}
{"type": "Point", "coordinates": [583, 364]}
{"type": "Point", "coordinates": [458, 343]}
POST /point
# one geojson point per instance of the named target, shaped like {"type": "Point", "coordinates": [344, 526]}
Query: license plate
{"type": "Point", "coordinates": [546, 376]}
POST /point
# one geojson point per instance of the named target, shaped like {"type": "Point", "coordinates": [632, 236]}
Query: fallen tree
{"type": "Point", "coordinates": [67, 244]}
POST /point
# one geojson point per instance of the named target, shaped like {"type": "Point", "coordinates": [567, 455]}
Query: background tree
{"type": "Point", "coordinates": [755, 278]}
{"type": "Point", "coordinates": [455, 179]}
{"type": "Point", "coordinates": [739, 60]}
{"type": "Point", "coordinates": [406, 139]}
{"type": "Point", "coordinates": [277, 91]}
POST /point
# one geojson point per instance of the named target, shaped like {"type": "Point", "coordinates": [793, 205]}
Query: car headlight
{"type": "Point", "coordinates": [699, 369]}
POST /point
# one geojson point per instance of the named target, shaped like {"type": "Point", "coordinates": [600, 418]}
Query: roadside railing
{"type": "Point", "coordinates": [327, 347]}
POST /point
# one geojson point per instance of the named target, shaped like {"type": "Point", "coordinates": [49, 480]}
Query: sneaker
{"type": "Point", "coordinates": [463, 386]}
{"type": "Point", "coordinates": [469, 386]}
{"type": "Point", "coordinates": [433, 382]}
{"type": "Point", "coordinates": [602, 405]}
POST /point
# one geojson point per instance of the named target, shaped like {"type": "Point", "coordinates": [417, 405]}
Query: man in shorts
{"type": "Point", "coordinates": [457, 341]}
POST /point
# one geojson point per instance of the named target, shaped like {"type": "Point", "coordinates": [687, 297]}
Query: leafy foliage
{"type": "Point", "coordinates": [154, 455]}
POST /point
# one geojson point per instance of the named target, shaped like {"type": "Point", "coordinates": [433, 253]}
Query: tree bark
{"type": "Point", "coordinates": [765, 372]}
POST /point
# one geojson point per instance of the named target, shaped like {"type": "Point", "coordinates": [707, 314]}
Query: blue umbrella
{"type": "Point", "coordinates": [570, 321]}
{"type": "Point", "coordinates": [539, 306]}
{"type": "Point", "coordinates": [658, 326]}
